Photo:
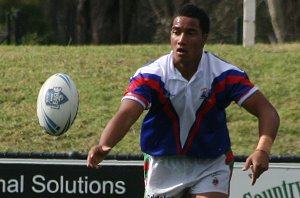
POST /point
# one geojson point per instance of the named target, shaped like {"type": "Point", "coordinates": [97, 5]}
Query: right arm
{"type": "Point", "coordinates": [127, 114]}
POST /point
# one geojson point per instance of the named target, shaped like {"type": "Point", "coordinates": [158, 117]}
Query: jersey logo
{"type": "Point", "coordinates": [215, 181]}
{"type": "Point", "coordinates": [205, 93]}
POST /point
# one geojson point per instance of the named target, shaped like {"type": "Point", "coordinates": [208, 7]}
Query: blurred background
{"type": "Point", "coordinates": [86, 22]}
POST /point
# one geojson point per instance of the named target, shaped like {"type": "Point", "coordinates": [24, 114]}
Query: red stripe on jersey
{"type": "Point", "coordinates": [210, 103]}
{"type": "Point", "coordinates": [175, 123]}
{"type": "Point", "coordinates": [167, 107]}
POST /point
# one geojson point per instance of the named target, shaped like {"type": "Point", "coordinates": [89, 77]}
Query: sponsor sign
{"type": "Point", "coordinates": [282, 180]}
{"type": "Point", "coordinates": [48, 178]}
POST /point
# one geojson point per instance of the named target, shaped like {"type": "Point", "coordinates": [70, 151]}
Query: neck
{"type": "Point", "coordinates": [187, 66]}
{"type": "Point", "coordinates": [187, 70]}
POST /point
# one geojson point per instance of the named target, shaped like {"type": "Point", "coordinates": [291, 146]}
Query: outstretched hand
{"type": "Point", "coordinates": [97, 155]}
{"type": "Point", "coordinates": [259, 163]}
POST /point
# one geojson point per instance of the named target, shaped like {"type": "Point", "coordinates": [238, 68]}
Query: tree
{"type": "Point", "coordinates": [277, 19]}
{"type": "Point", "coordinates": [147, 21]}
{"type": "Point", "coordinates": [104, 21]}
{"type": "Point", "coordinates": [285, 19]}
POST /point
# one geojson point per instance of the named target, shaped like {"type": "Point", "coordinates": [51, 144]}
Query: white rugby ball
{"type": "Point", "coordinates": [57, 104]}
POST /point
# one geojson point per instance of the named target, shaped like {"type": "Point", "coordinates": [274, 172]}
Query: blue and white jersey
{"type": "Point", "coordinates": [187, 117]}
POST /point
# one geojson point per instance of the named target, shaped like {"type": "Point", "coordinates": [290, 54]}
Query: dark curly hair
{"type": "Point", "coordinates": [190, 10]}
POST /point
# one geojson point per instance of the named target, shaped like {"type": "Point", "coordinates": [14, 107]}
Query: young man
{"type": "Point", "coordinates": [184, 132]}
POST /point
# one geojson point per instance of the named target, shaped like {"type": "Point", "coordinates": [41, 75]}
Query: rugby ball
{"type": "Point", "coordinates": [57, 104]}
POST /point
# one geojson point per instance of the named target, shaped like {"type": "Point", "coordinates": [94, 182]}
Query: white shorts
{"type": "Point", "coordinates": [173, 176]}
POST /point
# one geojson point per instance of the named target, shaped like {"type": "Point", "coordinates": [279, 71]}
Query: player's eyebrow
{"type": "Point", "coordinates": [184, 28]}
{"type": "Point", "coordinates": [190, 29]}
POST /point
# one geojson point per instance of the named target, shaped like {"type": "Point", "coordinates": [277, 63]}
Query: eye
{"type": "Point", "coordinates": [176, 32]}
{"type": "Point", "coordinates": [191, 32]}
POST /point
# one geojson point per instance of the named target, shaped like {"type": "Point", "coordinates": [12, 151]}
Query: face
{"type": "Point", "coordinates": [187, 40]}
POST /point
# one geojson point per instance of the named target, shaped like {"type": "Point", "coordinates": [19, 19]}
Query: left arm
{"type": "Point", "coordinates": [268, 124]}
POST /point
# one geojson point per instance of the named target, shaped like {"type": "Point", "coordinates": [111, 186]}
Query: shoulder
{"type": "Point", "coordinates": [218, 63]}
{"type": "Point", "coordinates": [155, 67]}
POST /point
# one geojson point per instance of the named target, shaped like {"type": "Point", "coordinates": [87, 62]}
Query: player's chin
{"type": "Point", "coordinates": [180, 58]}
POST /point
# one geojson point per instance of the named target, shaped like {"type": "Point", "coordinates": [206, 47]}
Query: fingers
{"type": "Point", "coordinates": [255, 175]}
{"type": "Point", "coordinates": [91, 162]}
{"type": "Point", "coordinates": [97, 155]}
{"type": "Point", "coordinates": [247, 164]}
{"type": "Point", "coordinates": [256, 172]}
{"type": "Point", "coordinates": [259, 163]}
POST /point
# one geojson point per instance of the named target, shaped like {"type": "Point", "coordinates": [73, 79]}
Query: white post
{"type": "Point", "coordinates": [249, 23]}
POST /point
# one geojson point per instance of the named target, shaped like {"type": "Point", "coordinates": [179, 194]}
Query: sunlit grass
{"type": "Point", "coordinates": [102, 73]}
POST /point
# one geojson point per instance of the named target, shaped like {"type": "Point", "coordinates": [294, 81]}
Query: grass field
{"type": "Point", "coordinates": [102, 73]}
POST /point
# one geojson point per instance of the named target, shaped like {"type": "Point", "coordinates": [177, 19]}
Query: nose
{"type": "Point", "coordinates": [181, 38]}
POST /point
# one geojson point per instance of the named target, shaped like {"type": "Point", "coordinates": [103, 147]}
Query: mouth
{"type": "Point", "coordinates": [181, 50]}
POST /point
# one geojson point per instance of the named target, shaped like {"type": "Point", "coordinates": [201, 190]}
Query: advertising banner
{"type": "Point", "coordinates": [65, 178]}
{"type": "Point", "coordinates": [282, 180]}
